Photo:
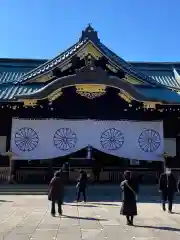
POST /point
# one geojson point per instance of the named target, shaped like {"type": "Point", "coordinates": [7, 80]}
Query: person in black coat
{"type": "Point", "coordinates": [167, 187]}
{"type": "Point", "coordinates": [65, 169]}
{"type": "Point", "coordinates": [178, 185]}
{"type": "Point", "coordinates": [96, 170]}
{"type": "Point", "coordinates": [56, 192]}
{"type": "Point", "coordinates": [82, 185]}
{"type": "Point", "coordinates": [129, 195]}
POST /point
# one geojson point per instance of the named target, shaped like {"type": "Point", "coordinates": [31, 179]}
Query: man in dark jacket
{"type": "Point", "coordinates": [56, 192]}
{"type": "Point", "coordinates": [168, 187]}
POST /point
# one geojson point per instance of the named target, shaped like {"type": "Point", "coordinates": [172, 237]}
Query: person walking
{"type": "Point", "coordinates": [96, 170]}
{"type": "Point", "coordinates": [129, 195]}
{"type": "Point", "coordinates": [178, 185]}
{"type": "Point", "coordinates": [168, 188]}
{"type": "Point", "coordinates": [65, 169]}
{"type": "Point", "coordinates": [56, 192]}
{"type": "Point", "coordinates": [82, 185]}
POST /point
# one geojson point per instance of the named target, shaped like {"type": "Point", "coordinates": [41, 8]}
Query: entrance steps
{"type": "Point", "coordinates": [105, 189]}
{"type": "Point", "coordinates": [23, 189]}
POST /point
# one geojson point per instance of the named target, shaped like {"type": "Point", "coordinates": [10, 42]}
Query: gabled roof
{"type": "Point", "coordinates": [127, 67]}
{"type": "Point", "coordinates": [21, 71]}
{"type": "Point", "coordinates": [17, 75]}
{"type": "Point", "coordinates": [51, 64]}
{"type": "Point", "coordinates": [89, 35]}
{"type": "Point", "coordinates": [12, 69]}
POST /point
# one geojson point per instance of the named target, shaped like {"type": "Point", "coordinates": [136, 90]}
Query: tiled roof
{"type": "Point", "coordinates": [164, 95]}
{"type": "Point", "coordinates": [20, 71]}
{"type": "Point", "coordinates": [165, 78]}
{"type": "Point", "coordinates": [7, 77]}
{"type": "Point", "coordinates": [13, 69]}
{"type": "Point", "coordinates": [127, 67]}
{"type": "Point", "coordinates": [161, 72]}
{"type": "Point", "coordinates": [47, 66]}
{"type": "Point", "coordinates": [9, 91]}
{"type": "Point", "coordinates": [153, 76]}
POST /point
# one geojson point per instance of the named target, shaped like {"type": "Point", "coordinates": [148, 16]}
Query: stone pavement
{"type": "Point", "coordinates": [28, 217]}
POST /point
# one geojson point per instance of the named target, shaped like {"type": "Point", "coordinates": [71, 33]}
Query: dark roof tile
{"type": "Point", "coordinates": [8, 92]}
{"type": "Point", "coordinates": [47, 66]}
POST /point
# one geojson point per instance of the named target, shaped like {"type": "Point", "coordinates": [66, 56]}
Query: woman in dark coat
{"type": "Point", "coordinates": [129, 191]}
{"type": "Point", "coordinates": [82, 185]}
{"type": "Point", "coordinates": [56, 192]}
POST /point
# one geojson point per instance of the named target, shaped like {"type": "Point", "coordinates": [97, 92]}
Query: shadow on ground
{"type": "Point", "coordinates": [176, 213]}
{"type": "Point", "coordinates": [85, 218]}
{"type": "Point", "coordinates": [83, 205]}
{"type": "Point", "coordinates": [3, 201]}
{"type": "Point", "coordinates": [93, 204]}
{"type": "Point", "coordinates": [160, 228]}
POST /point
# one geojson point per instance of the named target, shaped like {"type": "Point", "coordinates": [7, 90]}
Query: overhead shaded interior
{"type": "Point", "coordinates": [71, 105]}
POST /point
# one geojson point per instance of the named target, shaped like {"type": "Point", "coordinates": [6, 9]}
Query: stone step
{"type": "Point", "coordinates": [106, 190]}
{"type": "Point", "coordinates": [22, 193]}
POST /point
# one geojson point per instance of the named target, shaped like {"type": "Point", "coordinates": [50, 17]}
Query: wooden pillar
{"type": "Point", "coordinates": [178, 147]}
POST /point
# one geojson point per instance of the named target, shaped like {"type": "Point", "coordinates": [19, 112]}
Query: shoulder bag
{"type": "Point", "coordinates": [131, 190]}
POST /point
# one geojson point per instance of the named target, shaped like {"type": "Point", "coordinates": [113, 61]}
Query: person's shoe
{"type": "Point", "coordinates": [128, 222]}
{"type": "Point", "coordinates": [53, 214]}
{"type": "Point", "coordinates": [60, 214]}
{"type": "Point", "coordinates": [131, 223]}
{"type": "Point", "coordinates": [170, 211]}
{"type": "Point", "coordinates": [163, 207]}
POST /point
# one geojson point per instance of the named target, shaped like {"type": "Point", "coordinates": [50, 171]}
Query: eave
{"type": "Point", "coordinates": [141, 93]}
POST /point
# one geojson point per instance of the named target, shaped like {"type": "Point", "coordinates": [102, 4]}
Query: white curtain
{"type": "Point", "coordinates": [133, 140]}
{"type": "Point", "coordinates": [43, 139]}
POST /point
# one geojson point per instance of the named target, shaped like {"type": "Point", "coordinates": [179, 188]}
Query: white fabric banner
{"type": "Point", "coordinates": [133, 140]}
{"type": "Point", "coordinates": [43, 139]}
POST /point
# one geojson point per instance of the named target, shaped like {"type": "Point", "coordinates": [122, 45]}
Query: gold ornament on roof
{"type": "Point", "coordinates": [111, 68]}
{"type": "Point", "coordinates": [126, 96]}
{"type": "Point", "coordinates": [43, 78]}
{"type": "Point", "coordinates": [54, 95]}
{"type": "Point", "coordinates": [132, 80]}
{"type": "Point", "coordinates": [30, 102]}
{"type": "Point", "coordinates": [149, 105]}
{"type": "Point", "coordinates": [91, 91]}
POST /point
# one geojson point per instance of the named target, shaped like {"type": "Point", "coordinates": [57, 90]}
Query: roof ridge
{"type": "Point", "coordinates": [131, 68]}
{"type": "Point", "coordinates": [89, 35]}
{"type": "Point", "coordinates": [25, 76]}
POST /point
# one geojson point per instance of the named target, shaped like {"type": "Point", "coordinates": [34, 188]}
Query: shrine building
{"type": "Point", "coordinates": [88, 82]}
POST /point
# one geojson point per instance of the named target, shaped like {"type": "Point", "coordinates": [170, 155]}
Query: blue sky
{"type": "Point", "coordinates": [138, 30]}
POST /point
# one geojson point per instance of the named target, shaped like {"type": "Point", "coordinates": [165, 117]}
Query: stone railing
{"type": "Point", "coordinates": [4, 174]}
{"type": "Point", "coordinates": [144, 176]}
{"type": "Point", "coordinates": [30, 176]}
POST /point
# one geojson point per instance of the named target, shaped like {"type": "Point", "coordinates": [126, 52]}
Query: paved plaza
{"type": "Point", "coordinates": [28, 217]}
